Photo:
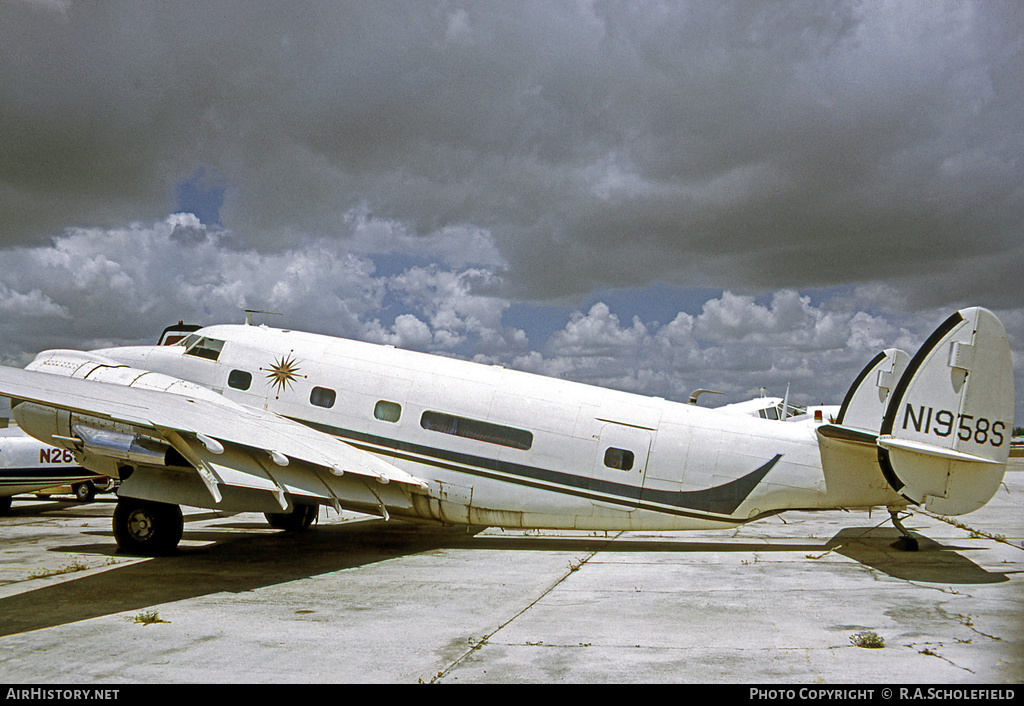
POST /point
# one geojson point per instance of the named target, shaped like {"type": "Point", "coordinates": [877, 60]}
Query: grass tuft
{"type": "Point", "coordinates": [147, 618]}
{"type": "Point", "coordinates": [868, 640]}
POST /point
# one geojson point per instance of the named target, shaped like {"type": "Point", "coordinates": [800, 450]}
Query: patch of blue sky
{"type": "Point", "coordinates": [391, 264]}
{"type": "Point", "coordinates": [202, 195]}
{"type": "Point", "coordinates": [538, 320]}
{"type": "Point", "coordinates": [656, 305]}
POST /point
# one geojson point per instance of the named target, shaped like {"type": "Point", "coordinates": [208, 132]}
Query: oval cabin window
{"type": "Point", "coordinates": [239, 379]}
{"type": "Point", "coordinates": [322, 397]}
{"type": "Point", "coordinates": [387, 411]}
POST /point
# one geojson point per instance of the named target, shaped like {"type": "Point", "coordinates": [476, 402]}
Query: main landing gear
{"type": "Point", "coordinates": [149, 528]}
{"type": "Point", "coordinates": [301, 517]}
{"type": "Point", "coordinates": [146, 527]}
{"type": "Point", "coordinates": [905, 542]}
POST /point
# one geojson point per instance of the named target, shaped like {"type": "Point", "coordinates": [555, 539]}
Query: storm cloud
{"type": "Point", "coordinates": [433, 166]}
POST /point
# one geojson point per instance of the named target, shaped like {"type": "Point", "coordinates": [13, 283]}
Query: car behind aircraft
{"type": "Point", "coordinates": [250, 418]}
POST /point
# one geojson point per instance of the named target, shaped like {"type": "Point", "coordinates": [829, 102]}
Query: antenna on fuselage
{"type": "Point", "coordinates": [698, 393]}
{"type": "Point", "coordinates": [250, 312]}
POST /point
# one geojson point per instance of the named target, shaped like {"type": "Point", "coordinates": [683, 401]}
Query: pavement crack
{"type": "Point", "coordinates": [968, 622]}
{"type": "Point", "coordinates": [975, 533]}
{"type": "Point", "coordinates": [475, 644]}
{"type": "Point", "coordinates": [932, 653]}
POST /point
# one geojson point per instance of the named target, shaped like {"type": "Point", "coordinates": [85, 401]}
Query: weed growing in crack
{"type": "Point", "coordinates": [868, 640]}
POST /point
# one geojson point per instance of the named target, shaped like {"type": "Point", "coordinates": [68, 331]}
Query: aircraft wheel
{"type": "Point", "coordinates": [85, 492]}
{"type": "Point", "coordinates": [147, 528]}
{"type": "Point", "coordinates": [300, 518]}
{"type": "Point", "coordinates": [905, 543]}
{"type": "Point", "coordinates": [5, 504]}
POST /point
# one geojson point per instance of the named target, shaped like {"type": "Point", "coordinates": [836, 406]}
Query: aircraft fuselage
{"type": "Point", "coordinates": [500, 447]}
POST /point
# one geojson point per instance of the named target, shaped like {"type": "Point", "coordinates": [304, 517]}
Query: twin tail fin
{"type": "Point", "coordinates": [941, 420]}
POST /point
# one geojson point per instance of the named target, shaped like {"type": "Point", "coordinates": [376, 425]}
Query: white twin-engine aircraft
{"type": "Point", "coordinates": [250, 418]}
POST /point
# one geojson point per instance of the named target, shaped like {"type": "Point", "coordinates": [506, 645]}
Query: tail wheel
{"type": "Point", "coordinates": [146, 527]}
{"type": "Point", "coordinates": [300, 518]}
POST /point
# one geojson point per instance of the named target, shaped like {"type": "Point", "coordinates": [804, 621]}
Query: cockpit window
{"type": "Point", "coordinates": [176, 333]}
{"type": "Point", "coordinates": [776, 411]}
{"type": "Point", "coordinates": [203, 347]}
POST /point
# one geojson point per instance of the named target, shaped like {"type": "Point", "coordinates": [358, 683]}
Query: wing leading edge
{"type": "Point", "coordinates": [226, 444]}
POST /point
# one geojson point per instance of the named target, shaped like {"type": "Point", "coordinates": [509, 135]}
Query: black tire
{"type": "Point", "coordinates": [906, 543]}
{"type": "Point", "coordinates": [84, 492]}
{"type": "Point", "coordinates": [5, 504]}
{"type": "Point", "coordinates": [300, 518]}
{"type": "Point", "coordinates": [147, 528]}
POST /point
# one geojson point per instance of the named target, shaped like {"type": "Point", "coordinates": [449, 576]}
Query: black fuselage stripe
{"type": "Point", "coordinates": [722, 499]}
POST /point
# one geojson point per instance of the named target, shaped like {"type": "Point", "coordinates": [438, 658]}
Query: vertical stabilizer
{"type": "Point", "coordinates": [865, 404]}
{"type": "Point", "coordinates": [945, 436]}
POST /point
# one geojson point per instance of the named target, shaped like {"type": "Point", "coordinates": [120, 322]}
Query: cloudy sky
{"type": "Point", "coordinates": [654, 196]}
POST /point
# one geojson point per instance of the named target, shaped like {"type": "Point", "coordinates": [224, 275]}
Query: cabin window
{"type": "Point", "coordinates": [239, 379]}
{"type": "Point", "coordinates": [322, 397]}
{"type": "Point", "coordinates": [203, 347]}
{"type": "Point", "coordinates": [387, 411]}
{"type": "Point", "coordinates": [619, 459]}
{"type": "Point", "coordinates": [476, 429]}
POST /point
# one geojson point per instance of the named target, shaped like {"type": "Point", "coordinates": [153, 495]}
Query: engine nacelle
{"type": "Point", "coordinates": [98, 443]}
{"type": "Point", "coordinates": [98, 368]}
{"type": "Point", "coordinates": [101, 445]}
{"type": "Point", "coordinates": [136, 449]}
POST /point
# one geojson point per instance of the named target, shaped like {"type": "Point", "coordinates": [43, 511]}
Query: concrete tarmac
{"type": "Point", "coordinates": [790, 599]}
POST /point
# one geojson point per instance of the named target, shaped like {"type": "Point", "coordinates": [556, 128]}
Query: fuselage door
{"type": "Point", "coordinates": [620, 466]}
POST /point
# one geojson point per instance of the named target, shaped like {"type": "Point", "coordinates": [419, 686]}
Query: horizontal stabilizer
{"type": "Point", "coordinates": [888, 442]}
{"type": "Point", "coordinates": [848, 435]}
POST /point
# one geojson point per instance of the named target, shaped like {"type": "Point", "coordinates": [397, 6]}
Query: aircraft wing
{"type": "Point", "coordinates": [215, 435]}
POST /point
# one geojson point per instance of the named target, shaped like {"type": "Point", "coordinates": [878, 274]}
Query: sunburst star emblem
{"type": "Point", "coordinates": [283, 372]}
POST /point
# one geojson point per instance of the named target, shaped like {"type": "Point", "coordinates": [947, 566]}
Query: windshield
{"type": "Point", "coordinates": [203, 347]}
